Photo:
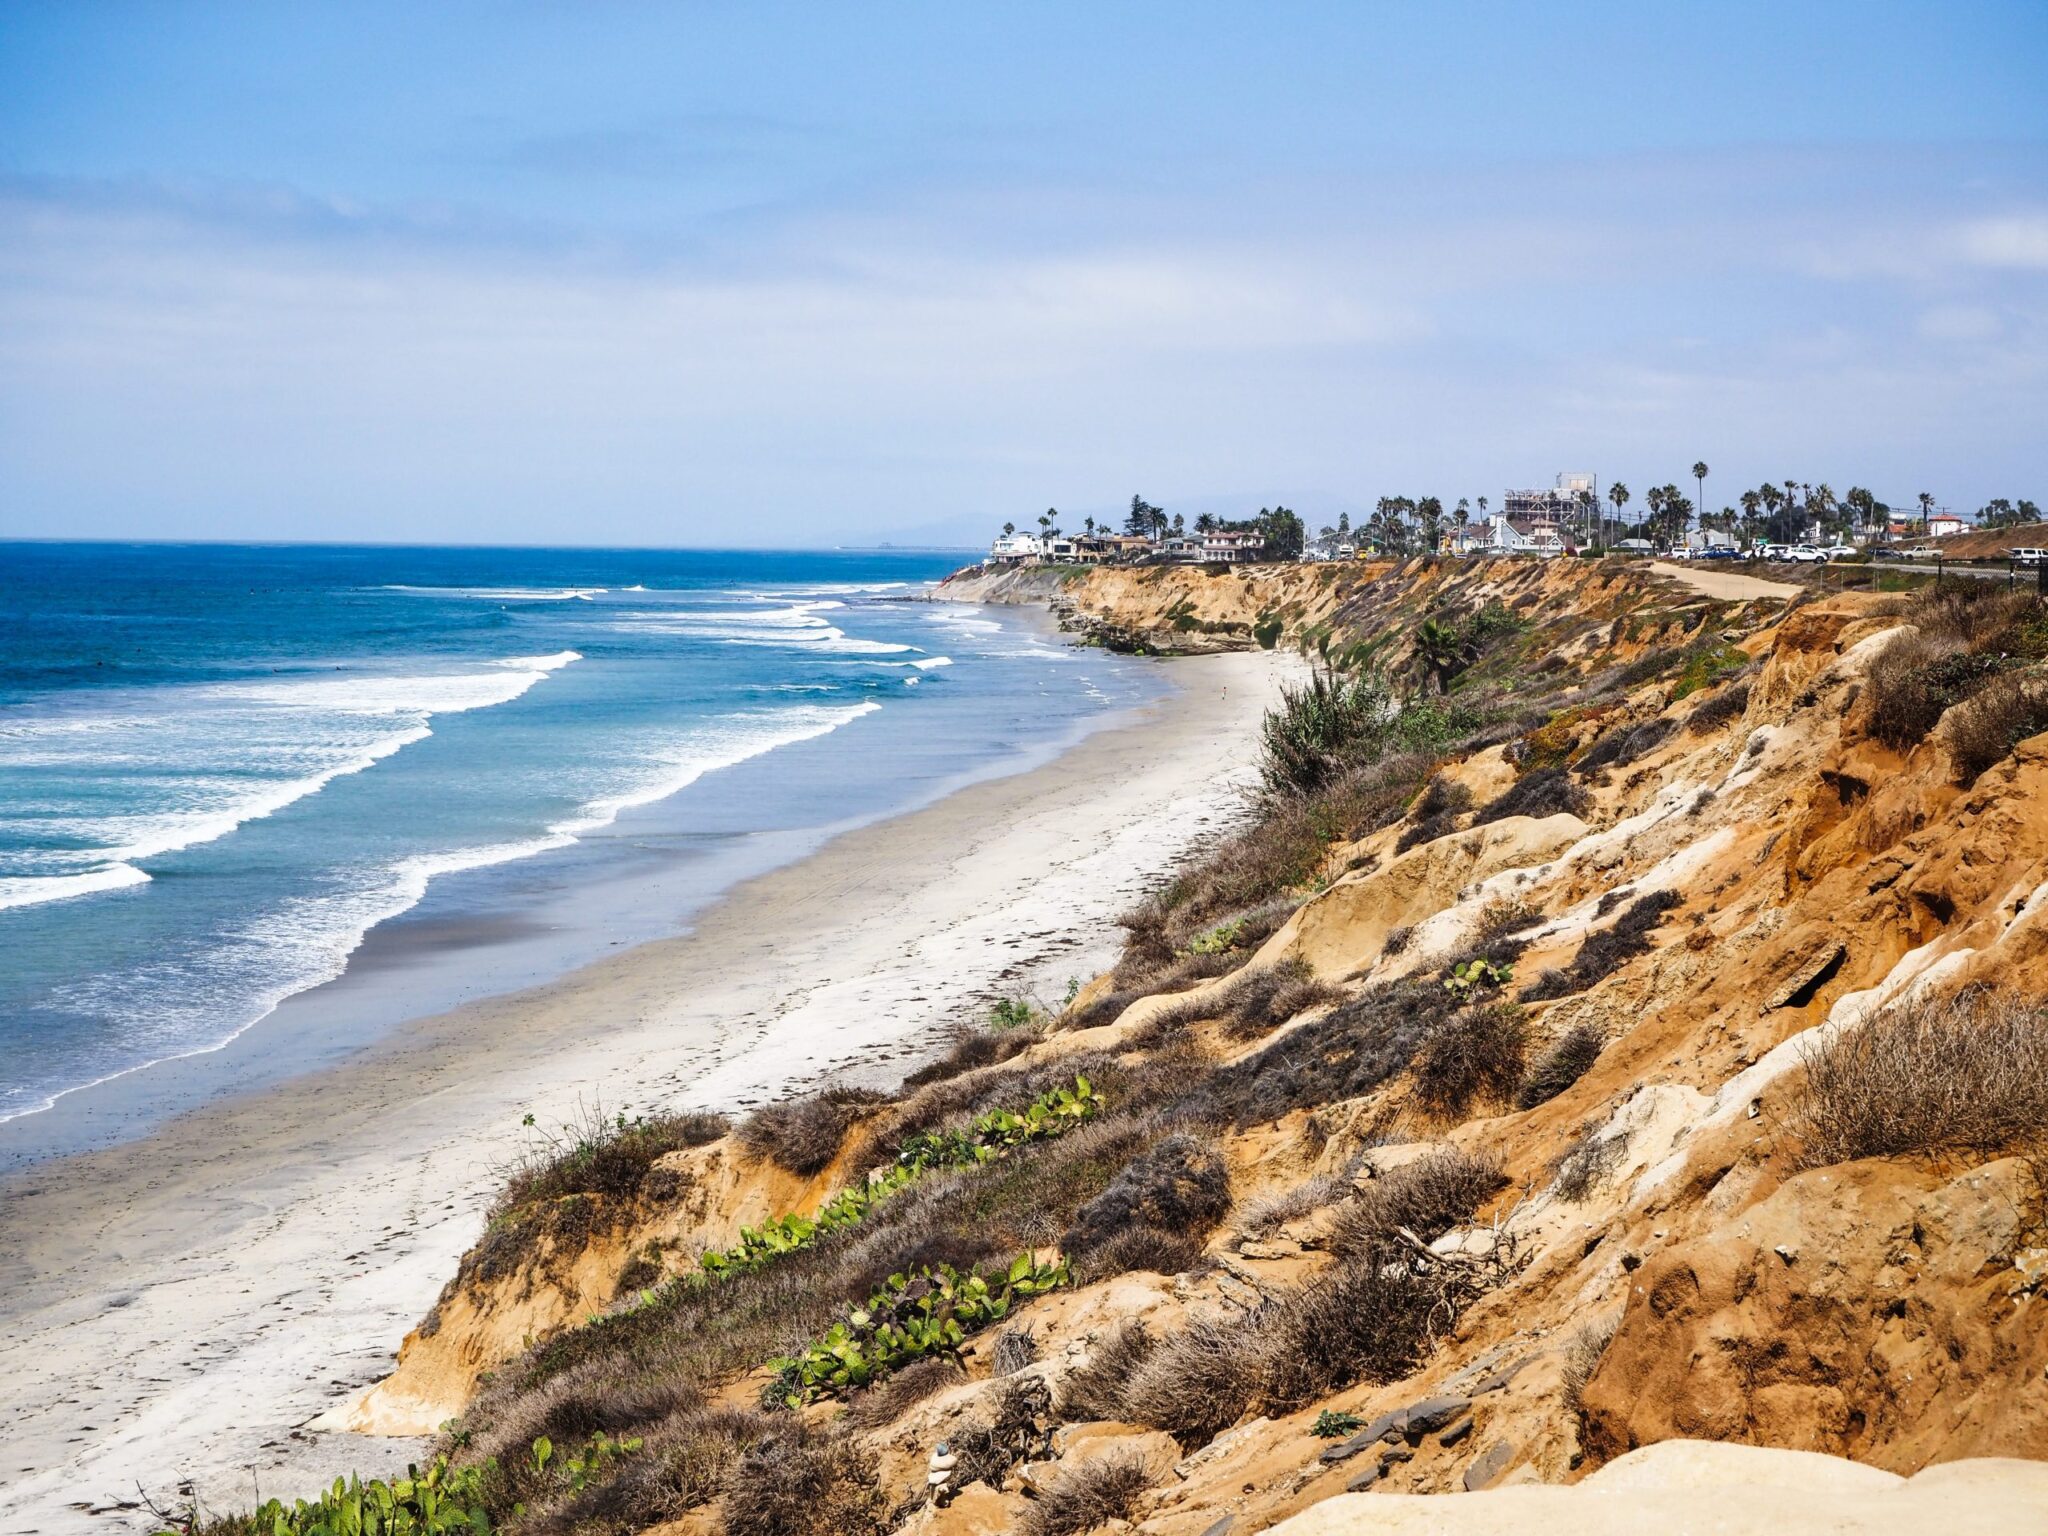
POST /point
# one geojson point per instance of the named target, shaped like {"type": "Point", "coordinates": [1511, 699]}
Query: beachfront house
{"type": "Point", "coordinates": [1942, 524]}
{"type": "Point", "coordinates": [1015, 549]}
{"type": "Point", "coordinates": [1232, 545]}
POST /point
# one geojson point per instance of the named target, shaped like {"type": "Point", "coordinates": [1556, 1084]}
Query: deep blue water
{"type": "Point", "coordinates": [222, 766]}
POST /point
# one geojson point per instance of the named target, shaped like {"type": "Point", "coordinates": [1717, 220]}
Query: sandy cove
{"type": "Point", "coordinates": [185, 1306]}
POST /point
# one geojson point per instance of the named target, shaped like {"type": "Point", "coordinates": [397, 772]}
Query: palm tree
{"type": "Point", "coordinates": [1088, 523]}
{"type": "Point", "coordinates": [1699, 475]}
{"type": "Point", "coordinates": [1440, 647]}
{"type": "Point", "coordinates": [1618, 494]}
{"type": "Point", "coordinates": [1008, 529]}
{"type": "Point", "coordinates": [1926, 500]}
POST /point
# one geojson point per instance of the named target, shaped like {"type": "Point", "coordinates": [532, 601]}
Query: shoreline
{"type": "Point", "coordinates": [184, 1267]}
{"type": "Point", "coordinates": [642, 877]}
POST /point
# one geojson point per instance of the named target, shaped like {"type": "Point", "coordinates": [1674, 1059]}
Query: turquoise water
{"type": "Point", "coordinates": [222, 767]}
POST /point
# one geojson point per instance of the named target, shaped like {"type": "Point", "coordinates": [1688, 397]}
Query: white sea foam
{"type": "Point", "coordinates": [309, 730]}
{"type": "Point", "coordinates": [31, 890]}
{"type": "Point", "coordinates": [505, 594]}
{"type": "Point", "coordinates": [306, 941]}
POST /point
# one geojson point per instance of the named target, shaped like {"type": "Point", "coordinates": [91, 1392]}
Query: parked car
{"type": "Point", "coordinates": [2029, 556]}
{"type": "Point", "coordinates": [1770, 551]}
{"type": "Point", "coordinates": [1806, 554]}
{"type": "Point", "coordinates": [1720, 552]}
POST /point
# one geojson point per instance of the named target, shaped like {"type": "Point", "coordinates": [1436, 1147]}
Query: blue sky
{"type": "Point", "coordinates": [761, 273]}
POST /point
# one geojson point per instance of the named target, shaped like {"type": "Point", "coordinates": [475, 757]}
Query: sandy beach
{"type": "Point", "coordinates": [182, 1308]}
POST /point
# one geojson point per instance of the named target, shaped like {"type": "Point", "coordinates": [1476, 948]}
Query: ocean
{"type": "Point", "coordinates": [223, 769]}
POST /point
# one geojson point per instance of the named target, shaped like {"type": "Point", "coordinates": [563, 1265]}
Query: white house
{"type": "Point", "coordinates": [1942, 524]}
{"type": "Point", "coordinates": [1015, 549]}
{"type": "Point", "coordinates": [1232, 544]}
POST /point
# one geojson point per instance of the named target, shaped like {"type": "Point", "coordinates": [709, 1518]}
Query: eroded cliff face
{"type": "Point", "coordinates": [1663, 1267]}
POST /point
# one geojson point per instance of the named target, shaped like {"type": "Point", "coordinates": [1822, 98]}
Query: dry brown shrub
{"type": "Point", "coordinates": [1582, 1356]}
{"type": "Point", "coordinates": [799, 1484]}
{"type": "Point", "coordinates": [889, 1399]}
{"type": "Point", "coordinates": [1546, 792]}
{"type": "Point", "coordinates": [1178, 1191]}
{"type": "Point", "coordinates": [1984, 729]}
{"type": "Point", "coordinates": [1902, 695]}
{"type": "Point", "coordinates": [804, 1135]}
{"type": "Point", "coordinates": [1096, 1389]}
{"type": "Point", "coordinates": [1579, 1169]}
{"type": "Point", "coordinates": [1967, 1073]}
{"type": "Point", "coordinates": [680, 1466]}
{"type": "Point", "coordinates": [1372, 1317]}
{"type": "Point", "coordinates": [1477, 1053]}
{"type": "Point", "coordinates": [1091, 1494]}
{"type": "Point", "coordinates": [1428, 1197]}
{"type": "Point", "coordinates": [1013, 1349]}
{"type": "Point", "coordinates": [1502, 916]}
{"type": "Point", "coordinates": [1567, 1060]}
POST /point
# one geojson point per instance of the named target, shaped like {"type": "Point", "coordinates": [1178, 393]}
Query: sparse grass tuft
{"type": "Point", "coordinates": [1582, 1357]}
{"type": "Point", "coordinates": [1962, 1074]}
{"type": "Point", "coordinates": [598, 1156]}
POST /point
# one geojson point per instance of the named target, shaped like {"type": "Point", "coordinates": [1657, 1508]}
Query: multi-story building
{"type": "Point", "coordinates": [1554, 506]}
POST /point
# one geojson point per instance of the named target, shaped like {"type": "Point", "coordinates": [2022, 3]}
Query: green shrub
{"type": "Point", "coordinates": [928, 1312]}
{"type": "Point", "coordinates": [1319, 726]}
{"type": "Point", "coordinates": [990, 1135]}
{"type": "Point", "coordinates": [442, 1501]}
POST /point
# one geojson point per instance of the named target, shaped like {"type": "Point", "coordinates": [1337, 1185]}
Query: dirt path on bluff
{"type": "Point", "coordinates": [1727, 586]}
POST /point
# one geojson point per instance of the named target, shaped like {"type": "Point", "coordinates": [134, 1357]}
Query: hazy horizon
{"type": "Point", "coordinates": [709, 277]}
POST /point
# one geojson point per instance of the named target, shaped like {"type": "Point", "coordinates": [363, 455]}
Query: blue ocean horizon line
{"type": "Point", "coordinates": [118, 542]}
{"type": "Point", "coordinates": [223, 765]}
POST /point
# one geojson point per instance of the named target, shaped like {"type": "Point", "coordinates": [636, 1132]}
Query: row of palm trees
{"type": "Point", "coordinates": [1780, 511]}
